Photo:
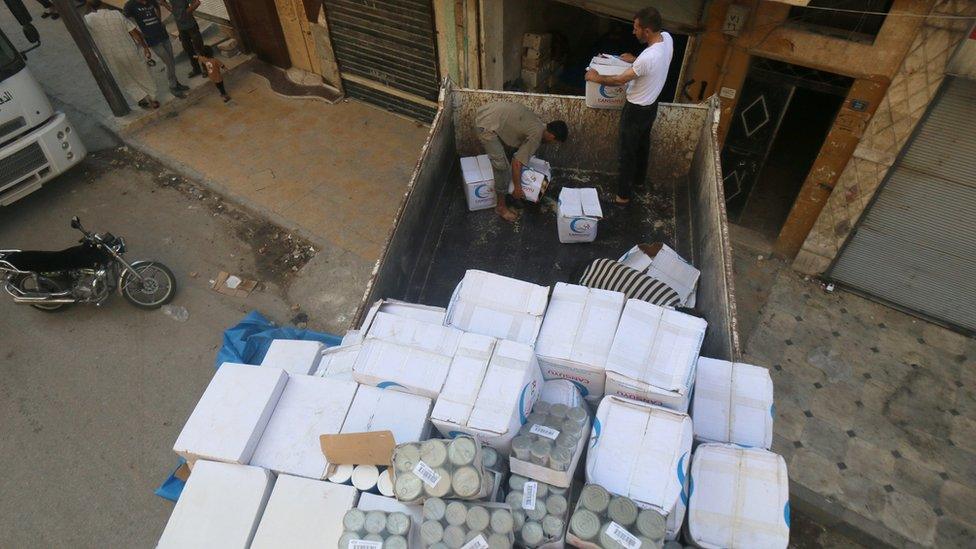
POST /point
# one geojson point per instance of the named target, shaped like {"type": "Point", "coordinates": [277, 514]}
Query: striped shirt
{"type": "Point", "coordinates": [607, 274]}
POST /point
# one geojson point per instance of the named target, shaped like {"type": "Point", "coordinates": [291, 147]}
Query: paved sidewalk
{"type": "Point", "coordinates": [875, 409]}
{"type": "Point", "coordinates": [333, 173]}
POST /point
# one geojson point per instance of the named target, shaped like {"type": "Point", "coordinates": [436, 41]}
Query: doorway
{"type": "Point", "coordinates": [577, 35]}
{"type": "Point", "coordinates": [781, 120]}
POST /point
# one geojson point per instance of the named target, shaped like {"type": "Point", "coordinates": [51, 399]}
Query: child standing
{"type": "Point", "coordinates": [214, 67]}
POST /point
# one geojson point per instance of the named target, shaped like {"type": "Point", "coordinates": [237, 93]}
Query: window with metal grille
{"type": "Point", "coordinates": [854, 20]}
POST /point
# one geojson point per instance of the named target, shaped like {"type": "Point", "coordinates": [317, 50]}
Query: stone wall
{"type": "Point", "coordinates": [912, 89]}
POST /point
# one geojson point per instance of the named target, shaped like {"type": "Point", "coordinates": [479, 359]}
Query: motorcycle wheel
{"type": "Point", "coordinates": [157, 289]}
{"type": "Point", "coordinates": [29, 284]}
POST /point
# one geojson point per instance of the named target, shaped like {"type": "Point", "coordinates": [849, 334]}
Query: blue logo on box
{"type": "Point", "coordinates": [606, 92]}
{"type": "Point", "coordinates": [481, 192]}
{"type": "Point", "coordinates": [580, 225]}
{"type": "Point", "coordinates": [786, 513]}
{"type": "Point", "coordinates": [523, 417]}
{"type": "Point", "coordinates": [387, 384]}
{"type": "Point", "coordinates": [681, 477]}
{"type": "Point", "coordinates": [597, 428]}
{"type": "Point", "coordinates": [455, 434]}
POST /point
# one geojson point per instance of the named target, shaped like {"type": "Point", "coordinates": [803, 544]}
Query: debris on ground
{"type": "Point", "coordinates": [233, 285]}
{"type": "Point", "coordinates": [176, 312]}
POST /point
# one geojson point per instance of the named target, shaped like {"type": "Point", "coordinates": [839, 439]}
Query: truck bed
{"type": "Point", "coordinates": [435, 239]}
{"type": "Point", "coordinates": [529, 249]}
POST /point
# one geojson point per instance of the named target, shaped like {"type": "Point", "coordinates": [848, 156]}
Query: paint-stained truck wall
{"type": "Point", "coordinates": [592, 143]}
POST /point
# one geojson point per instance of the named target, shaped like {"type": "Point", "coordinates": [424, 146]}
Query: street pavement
{"type": "Point", "coordinates": [93, 398]}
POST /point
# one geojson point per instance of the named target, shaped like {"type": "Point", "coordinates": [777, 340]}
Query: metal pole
{"type": "Point", "coordinates": [96, 63]}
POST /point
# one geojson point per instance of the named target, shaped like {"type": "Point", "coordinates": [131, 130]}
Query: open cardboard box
{"type": "Point", "coordinates": [560, 479]}
{"type": "Point", "coordinates": [374, 448]}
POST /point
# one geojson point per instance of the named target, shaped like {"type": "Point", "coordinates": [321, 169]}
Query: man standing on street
{"type": "Point", "coordinates": [502, 124]}
{"type": "Point", "coordinates": [646, 78]}
{"type": "Point", "coordinates": [146, 14]}
{"type": "Point", "coordinates": [190, 36]}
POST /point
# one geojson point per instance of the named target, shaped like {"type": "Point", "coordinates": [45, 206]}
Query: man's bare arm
{"type": "Point", "coordinates": [611, 79]}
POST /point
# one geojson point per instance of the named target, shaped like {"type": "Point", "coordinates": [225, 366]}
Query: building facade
{"type": "Point", "coordinates": [820, 98]}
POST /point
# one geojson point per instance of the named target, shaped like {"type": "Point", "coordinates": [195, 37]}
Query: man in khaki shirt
{"type": "Point", "coordinates": [502, 124]}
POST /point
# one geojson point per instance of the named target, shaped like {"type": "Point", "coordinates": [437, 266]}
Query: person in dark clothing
{"type": "Point", "coordinates": [644, 79]}
{"type": "Point", "coordinates": [190, 36]}
{"type": "Point", "coordinates": [146, 15]}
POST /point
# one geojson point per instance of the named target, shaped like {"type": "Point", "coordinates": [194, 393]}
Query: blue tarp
{"type": "Point", "coordinates": [248, 341]}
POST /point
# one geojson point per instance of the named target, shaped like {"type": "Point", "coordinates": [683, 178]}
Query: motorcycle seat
{"type": "Point", "coordinates": [75, 257]}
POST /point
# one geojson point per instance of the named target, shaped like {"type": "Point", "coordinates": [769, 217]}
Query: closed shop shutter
{"type": "Point", "coordinates": [215, 8]}
{"type": "Point", "coordinates": [386, 53]}
{"type": "Point", "coordinates": [916, 245]}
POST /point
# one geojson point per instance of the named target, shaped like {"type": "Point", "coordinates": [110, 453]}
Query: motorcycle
{"type": "Point", "coordinates": [87, 273]}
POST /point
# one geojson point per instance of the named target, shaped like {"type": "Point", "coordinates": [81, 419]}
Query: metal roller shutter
{"type": "Point", "coordinates": [386, 53]}
{"type": "Point", "coordinates": [916, 244]}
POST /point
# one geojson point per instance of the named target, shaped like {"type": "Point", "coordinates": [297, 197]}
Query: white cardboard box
{"type": "Point", "coordinates": [577, 334]}
{"type": "Point", "coordinates": [733, 402]}
{"type": "Point", "coordinates": [654, 354]}
{"type": "Point", "coordinates": [295, 356]}
{"type": "Point", "coordinates": [304, 514]}
{"type": "Point", "coordinates": [406, 354]}
{"type": "Point", "coordinates": [502, 393]}
{"type": "Point", "coordinates": [309, 406]}
{"type": "Point", "coordinates": [231, 415]}
{"type": "Point", "coordinates": [498, 306]}
{"type": "Point", "coordinates": [220, 506]}
{"type": "Point", "coordinates": [395, 307]}
{"type": "Point", "coordinates": [374, 409]}
{"type": "Point", "coordinates": [404, 330]}
{"type": "Point", "coordinates": [479, 182]}
{"type": "Point", "coordinates": [599, 96]}
{"type": "Point", "coordinates": [372, 502]}
{"type": "Point", "coordinates": [536, 176]}
{"type": "Point", "coordinates": [668, 267]}
{"type": "Point", "coordinates": [578, 215]}
{"type": "Point", "coordinates": [389, 365]}
{"type": "Point", "coordinates": [337, 362]}
{"type": "Point", "coordinates": [641, 451]}
{"type": "Point", "coordinates": [741, 498]}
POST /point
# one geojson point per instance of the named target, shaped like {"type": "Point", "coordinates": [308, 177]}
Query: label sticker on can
{"type": "Point", "coordinates": [620, 535]}
{"type": "Point", "coordinates": [364, 544]}
{"type": "Point", "coordinates": [544, 431]}
{"type": "Point", "coordinates": [529, 491]}
{"type": "Point", "coordinates": [478, 543]}
{"type": "Point", "coordinates": [426, 474]}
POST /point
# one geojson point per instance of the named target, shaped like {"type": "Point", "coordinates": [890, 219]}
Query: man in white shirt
{"type": "Point", "coordinates": [644, 79]}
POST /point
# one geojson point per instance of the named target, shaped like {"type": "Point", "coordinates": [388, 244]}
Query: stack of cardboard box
{"type": "Point", "coordinates": [626, 393]}
{"type": "Point", "coordinates": [538, 67]}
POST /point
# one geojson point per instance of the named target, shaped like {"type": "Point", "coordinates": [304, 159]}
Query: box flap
{"type": "Point", "coordinates": [457, 398]}
{"type": "Point", "coordinates": [435, 338]}
{"type": "Point", "coordinates": [375, 409]}
{"type": "Point", "coordinates": [503, 293]}
{"type": "Point", "coordinates": [640, 450]}
{"type": "Point", "coordinates": [501, 389]}
{"type": "Point", "coordinates": [570, 203]}
{"type": "Point", "coordinates": [539, 165]}
{"type": "Point", "coordinates": [741, 498]}
{"type": "Point", "coordinates": [590, 202]}
{"type": "Point", "coordinates": [484, 167]}
{"type": "Point", "coordinates": [374, 448]}
{"type": "Point", "coordinates": [656, 346]}
{"type": "Point", "coordinates": [606, 59]}
{"type": "Point", "coordinates": [580, 324]}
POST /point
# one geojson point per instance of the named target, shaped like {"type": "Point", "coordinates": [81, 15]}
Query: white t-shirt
{"type": "Point", "coordinates": [651, 67]}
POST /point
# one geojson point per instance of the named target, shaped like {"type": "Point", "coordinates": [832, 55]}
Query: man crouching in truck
{"type": "Point", "coordinates": [646, 76]}
{"type": "Point", "coordinates": [502, 124]}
